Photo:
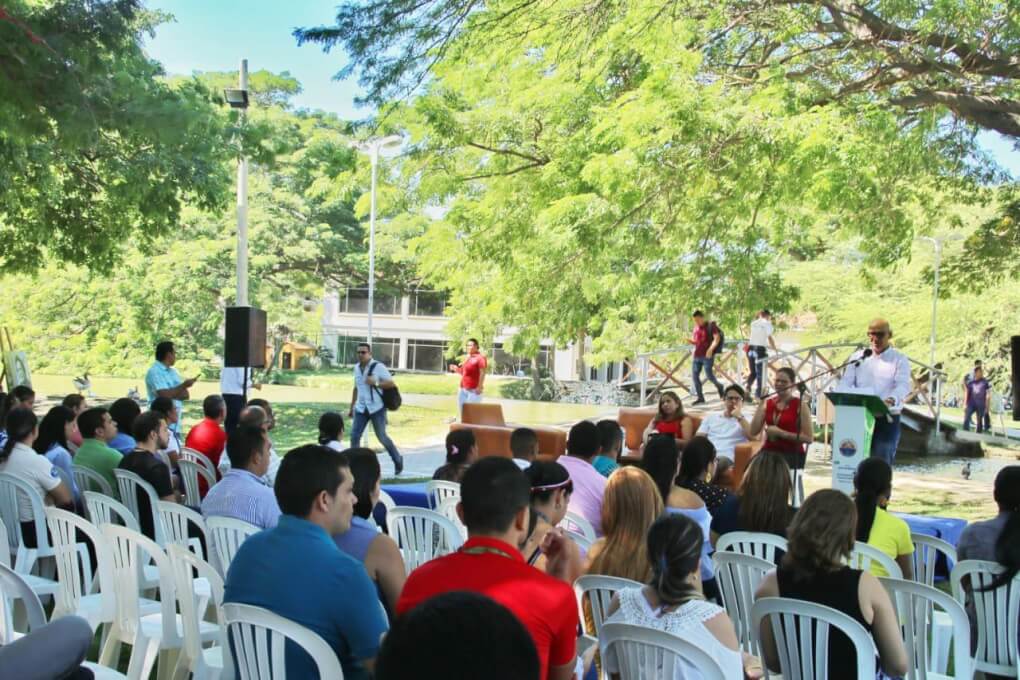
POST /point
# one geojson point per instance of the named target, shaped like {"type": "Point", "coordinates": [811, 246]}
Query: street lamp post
{"type": "Point", "coordinates": [238, 99]}
{"type": "Point", "coordinates": [937, 242]}
{"type": "Point", "coordinates": [373, 147]}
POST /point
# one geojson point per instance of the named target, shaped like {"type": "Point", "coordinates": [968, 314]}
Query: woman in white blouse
{"type": "Point", "coordinates": [674, 602]}
{"type": "Point", "coordinates": [331, 430]}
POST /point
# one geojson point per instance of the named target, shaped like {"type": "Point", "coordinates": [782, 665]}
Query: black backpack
{"type": "Point", "coordinates": [391, 398]}
{"type": "Point", "coordinates": [713, 326]}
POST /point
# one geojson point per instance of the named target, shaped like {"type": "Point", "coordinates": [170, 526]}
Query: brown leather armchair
{"type": "Point", "coordinates": [492, 433]}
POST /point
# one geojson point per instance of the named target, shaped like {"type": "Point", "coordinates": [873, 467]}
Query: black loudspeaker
{"type": "Point", "coordinates": [245, 340]}
{"type": "Point", "coordinates": [1014, 346]}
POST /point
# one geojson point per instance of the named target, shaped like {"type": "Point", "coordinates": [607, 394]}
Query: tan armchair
{"type": "Point", "coordinates": [492, 433]}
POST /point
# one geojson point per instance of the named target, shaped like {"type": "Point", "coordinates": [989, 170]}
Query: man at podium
{"type": "Point", "coordinates": [886, 371]}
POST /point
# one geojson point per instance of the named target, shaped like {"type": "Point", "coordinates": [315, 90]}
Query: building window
{"type": "Point", "coordinates": [506, 364]}
{"type": "Point", "coordinates": [386, 350]}
{"type": "Point", "coordinates": [347, 349]}
{"type": "Point", "coordinates": [355, 301]}
{"type": "Point", "coordinates": [428, 303]}
{"type": "Point", "coordinates": [426, 355]}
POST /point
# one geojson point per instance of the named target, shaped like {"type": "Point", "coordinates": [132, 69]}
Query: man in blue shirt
{"type": "Point", "coordinates": [163, 380]}
{"type": "Point", "coordinates": [370, 379]}
{"type": "Point", "coordinates": [296, 570]}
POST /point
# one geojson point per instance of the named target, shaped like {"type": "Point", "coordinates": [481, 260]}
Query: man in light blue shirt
{"type": "Point", "coordinates": [370, 379]}
{"type": "Point", "coordinates": [242, 493]}
{"type": "Point", "coordinates": [163, 380]}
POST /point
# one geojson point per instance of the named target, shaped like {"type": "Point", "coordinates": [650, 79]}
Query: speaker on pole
{"type": "Point", "coordinates": [1014, 346]}
{"type": "Point", "coordinates": [245, 339]}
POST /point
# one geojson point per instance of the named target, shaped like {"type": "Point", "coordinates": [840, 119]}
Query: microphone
{"type": "Point", "coordinates": [801, 385]}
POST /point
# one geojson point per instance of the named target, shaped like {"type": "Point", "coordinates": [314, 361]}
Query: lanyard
{"type": "Point", "coordinates": [484, 549]}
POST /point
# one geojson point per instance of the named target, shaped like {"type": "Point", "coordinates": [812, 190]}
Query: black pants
{"type": "Point", "coordinates": [235, 404]}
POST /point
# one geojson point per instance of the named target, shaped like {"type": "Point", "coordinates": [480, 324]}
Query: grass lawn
{"type": "Point", "coordinates": [342, 380]}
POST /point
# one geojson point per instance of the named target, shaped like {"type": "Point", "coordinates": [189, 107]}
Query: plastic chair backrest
{"type": "Point", "coordinates": [11, 486]}
{"type": "Point", "coordinates": [128, 485]}
{"type": "Point", "coordinates": [258, 636]}
{"type": "Point", "coordinates": [448, 509]}
{"type": "Point", "coordinates": [103, 509]}
{"type": "Point", "coordinates": [583, 542]}
{"type": "Point", "coordinates": [185, 564]}
{"type": "Point", "coordinates": [5, 545]}
{"type": "Point", "coordinates": [926, 554]}
{"type": "Point", "coordinates": [596, 591]}
{"type": "Point", "coordinates": [738, 577]}
{"type": "Point", "coordinates": [642, 652]}
{"type": "Point", "coordinates": [801, 629]}
{"type": "Point", "coordinates": [198, 458]}
{"type": "Point", "coordinates": [74, 567]}
{"type": "Point", "coordinates": [14, 587]}
{"type": "Point", "coordinates": [226, 535]}
{"type": "Point", "coordinates": [915, 608]}
{"type": "Point", "coordinates": [190, 472]}
{"type": "Point", "coordinates": [88, 479]}
{"type": "Point", "coordinates": [438, 490]}
{"type": "Point", "coordinates": [576, 524]}
{"type": "Point", "coordinates": [131, 550]}
{"type": "Point", "coordinates": [754, 543]}
{"type": "Point", "coordinates": [177, 519]}
{"type": "Point", "coordinates": [388, 503]}
{"type": "Point", "coordinates": [864, 555]}
{"type": "Point", "coordinates": [421, 535]}
{"type": "Point", "coordinates": [997, 612]}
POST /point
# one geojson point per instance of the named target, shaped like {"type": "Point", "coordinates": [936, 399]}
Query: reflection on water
{"type": "Point", "coordinates": [981, 469]}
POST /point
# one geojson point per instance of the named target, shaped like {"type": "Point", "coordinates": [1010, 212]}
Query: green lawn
{"type": "Point", "coordinates": [342, 380]}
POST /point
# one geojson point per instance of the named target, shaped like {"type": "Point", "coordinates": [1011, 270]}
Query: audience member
{"type": "Point", "coordinates": [662, 463]}
{"type": "Point", "coordinates": [77, 404]}
{"type": "Point", "coordinates": [723, 473]}
{"type": "Point", "coordinates": [786, 421]}
{"type": "Point", "coordinates": [97, 429]}
{"type": "Point", "coordinates": [495, 507]}
{"type": "Point", "coordinates": [54, 431]}
{"type": "Point", "coordinates": [54, 650]}
{"type": "Point", "coordinates": [370, 379]}
{"type": "Point", "coordinates": [523, 446]}
{"type": "Point", "coordinates": [296, 571]}
{"type": "Point", "coordinates": [163, 380]}
{"type": "Point", "coordinates": [550, 493]}
{"type": "Point", "coordinates": [124, 411]}
{"type": "Point", "coordinates": [331, 430]}
{"type": "Point", "coordinates": [875, 526]}
{"type": "Point", "coordinates": [762, 502]}
{"type": "Point", "coordinates": [458, 636]}
{"type": "Point", "coordinates": [979, 539]}
{"type": "Point", "coordinates": [813, 569]}
{"type": "Point", "coordinates": [633, 502]}
{"type": "Point", "coordinates": [208, 437]}
{"type": "Point", "coordinates": [670, 419]}
{"type": "Point", "coordinates": [363, 541]}
{"type": "Point", "coordinates": [17, 457]}
{"type": "Point", "coordinates": [610, 446]}
{"type": "Point", "coordinates": [698, 465]}
{"type": "Point", "coordinates": [150, 433]}
{"type": "Point", "coordinates": [243, 493]}
{"type": "Point", "coordinates": [258, 414]}
{"type": "Point", "coordinates": [20, 396]}
{"type": "Point", "coordinates": [172, 453]}
{"type": "Point", "coordinates": [589, 485]}
{"type": "Point", "coordinates": [674, 602]}
{"type": "Point", "coordinates": [461, 452]}
{"type": "Point", "coordinates": [730, 428]}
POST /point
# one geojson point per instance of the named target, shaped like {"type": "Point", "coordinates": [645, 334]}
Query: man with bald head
{"type": "Point", "coordinates": [887, 372]}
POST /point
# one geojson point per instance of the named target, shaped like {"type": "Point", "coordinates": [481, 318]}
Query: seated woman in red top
{"type": "Point", "coordinates": [670, 419]}
{"type": "Point", "coordinates": [786, 420]}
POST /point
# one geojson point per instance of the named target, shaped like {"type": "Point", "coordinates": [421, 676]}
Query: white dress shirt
{"type": "Point", "coordinates": [725, 433]}
{"type": "Point", "coordinates": [761, 329]}
{"type": "Point", "coordinates": [232, 380]}
{"type": "Point", "coordinates": [888, 374]}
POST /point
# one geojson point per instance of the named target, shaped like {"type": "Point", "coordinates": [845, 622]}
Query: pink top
{"type": "Point", "coordinates": [589, 489]}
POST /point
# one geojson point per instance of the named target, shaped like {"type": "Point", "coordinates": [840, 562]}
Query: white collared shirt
{"type": "Point", "coordinates": [761, 330]}
{"type": "Point", "coordinates": [888, 374]}
{"type": "Point", "coordinates": [232, 380]}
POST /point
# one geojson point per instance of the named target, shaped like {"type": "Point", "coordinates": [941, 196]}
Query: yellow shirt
{"type": "Point", "coordinates": [891, 535]}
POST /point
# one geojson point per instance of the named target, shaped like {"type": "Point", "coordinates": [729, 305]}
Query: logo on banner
{"type": "Point", "coordinates": [848, 448]}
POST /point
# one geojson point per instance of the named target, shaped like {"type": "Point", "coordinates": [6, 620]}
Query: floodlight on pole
{"type": "Point", "coordinates": [373, 148]}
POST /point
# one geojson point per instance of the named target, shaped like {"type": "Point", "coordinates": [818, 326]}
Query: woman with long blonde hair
{"type": "Point", "coordinates": [632, 503]}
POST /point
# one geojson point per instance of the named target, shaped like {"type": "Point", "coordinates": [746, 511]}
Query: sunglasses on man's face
{"type": "Point", "coordinates": [877, 334]}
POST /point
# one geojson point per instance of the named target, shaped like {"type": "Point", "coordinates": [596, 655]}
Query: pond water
{"type": "Point", "coordinates": [981, 469]}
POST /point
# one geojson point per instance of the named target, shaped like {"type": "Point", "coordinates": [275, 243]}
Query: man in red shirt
{"type": "Point", "coordinates": [209, 437]}
{"type": "Point", "coordinates": [707, 341]}
{"type": "Point", "coordinates": [494, 508]}
{"type": "Point", "coordinates": [472, 372]}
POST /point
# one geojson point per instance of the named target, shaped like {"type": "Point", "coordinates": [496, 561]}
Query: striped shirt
{"type": "Point", "coordinates": [241, 495]}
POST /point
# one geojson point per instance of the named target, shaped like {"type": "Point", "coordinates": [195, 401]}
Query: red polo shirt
{"type": "Point", "coordinates": [209, 438]}
{"type": "Point", "coordinates": [545, 605]}
{"type": "Point", "coordinates": [471, 370]}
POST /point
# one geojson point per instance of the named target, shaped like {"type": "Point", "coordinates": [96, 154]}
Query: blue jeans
{"type": "Point", "coordinates": [886, 438]}
{"type": "Point", "coordinates": [981, 413]}
{"type": "Point", "coordinates": [756, 358]}
{"type": "Point", "coordinates": [379, 426]}
{"type": "Point", "coordinates": [705, 362]}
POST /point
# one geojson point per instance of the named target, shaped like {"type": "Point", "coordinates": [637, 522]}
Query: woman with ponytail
{"type": "Point", "coordinates": [673, 602]}
{"type": "Point", "coordinates": [875, 526]}
{"type": "Point", "coordinates": [461, 451]}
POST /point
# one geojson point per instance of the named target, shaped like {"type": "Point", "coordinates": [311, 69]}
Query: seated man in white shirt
{"type": "Point", "coordinates": [727, 429]}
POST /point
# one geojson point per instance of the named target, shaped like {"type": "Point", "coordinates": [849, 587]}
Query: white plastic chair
{"type": "Point", "coordinates": [103, 509]}
{"type": "Point", "coordinates": [203, 663]}
{"type": "Point", "coordinates": [801, 629]}
{"type": "Point", "coordinates": [597, 591]}
{"type": "Point", "coordinates": [641, 653]}
{"type": "Point", "coordinates": [225, 535]}
{"type": "Point", "coordinates": [190, 473]}
{"type": "Point", "coordinates": [915, 607]}
{"type": "Point", "coordinates": [27, 559]}
{"type": "Point", "coordinates": [129, 484]}
{"type": "Point", "coordinates": [200, 459]}
{"type": "Point", "coordinates": [738, 577]}
{"type": "Point", "coordinates": [576, 524]}
{"type": "Point", "coordinates": [5, 545]}
{"type": "Point", "coordinates": [754, 543]}
{"type": "Point", "coordinates": [387, 502]}
{"type": "Point", "coordinates": [448, 509]}
{"type": "Point", "coordinates": [864, 555]}
{"type": "Point", "coordinates": [258, 637]}
{"type": "Point", "coordinates": [176, 519]}
{"type": "Point", "coordinates": [82, 593]}
{"type": "Point", "coordinates": [583, 542]}
{"type": "Point", "coordinates": [926, 553]}
{"type": "Point", "coordinates": [438, 490]}
{"type": "Point", "coordinates": [997, 612]}
{"type": "Point", "coordinates": [87, 479]}
{"type": "Point", "coordinates": [421, 535]}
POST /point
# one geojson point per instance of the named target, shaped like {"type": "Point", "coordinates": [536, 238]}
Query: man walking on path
{"type": "Point", "coordinates": [707, 341]}
{"type": "Point", "coordinates": [757, 352]}
{"type": "Point", "coordinates": [472, 372]}
{"type": "Point", "coordinates": [370, 379]}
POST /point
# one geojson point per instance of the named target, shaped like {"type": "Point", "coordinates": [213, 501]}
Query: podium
{"type": "Point", "coordinates": [856, 411]}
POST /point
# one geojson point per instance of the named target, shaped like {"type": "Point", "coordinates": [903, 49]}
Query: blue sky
{"type": "Point", "coordinates": [214, 35]}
